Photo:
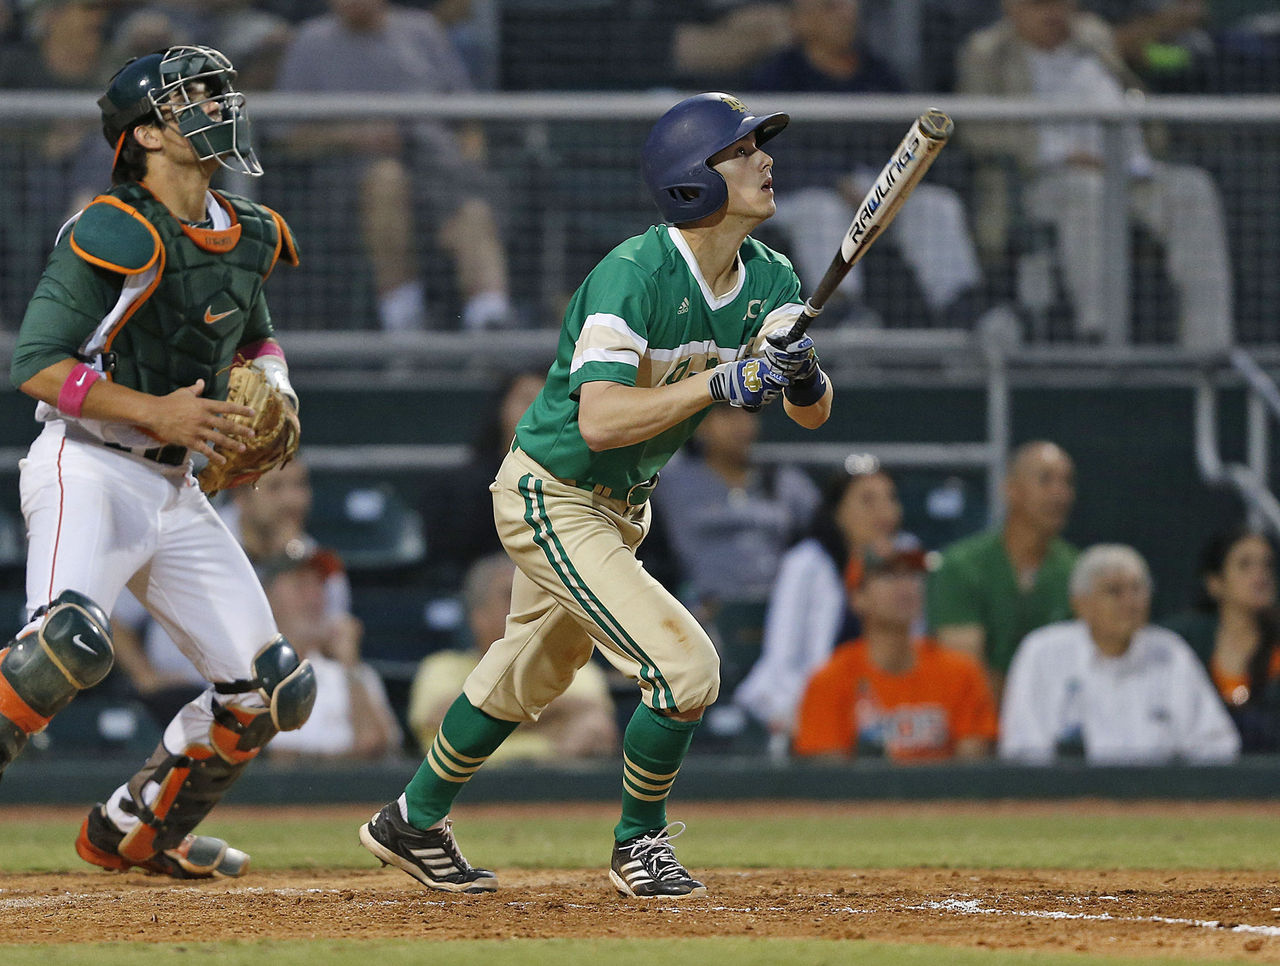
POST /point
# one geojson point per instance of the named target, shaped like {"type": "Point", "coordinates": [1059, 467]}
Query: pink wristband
{"type": "Point", "coordinates": [263, 347]}
{"type": "Point", "coordinates": [79, 382]}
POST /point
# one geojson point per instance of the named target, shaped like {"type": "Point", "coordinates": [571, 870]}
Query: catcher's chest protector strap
{"type": "Point", "coordinates": [189, 326]}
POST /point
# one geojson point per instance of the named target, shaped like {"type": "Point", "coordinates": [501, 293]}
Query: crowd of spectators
{"type": "Point", "coordinates": [421, 225]}
{"type": "Point", "coordinates": [1007, 644]}
{"type": "Point", "coordinates": [1061, 642]}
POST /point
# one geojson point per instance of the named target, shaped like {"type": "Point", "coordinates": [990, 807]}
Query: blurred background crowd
{"type": "Point", "coordinates": [475, 223]}
{"type": "Point", "coordinates": [865, 610]}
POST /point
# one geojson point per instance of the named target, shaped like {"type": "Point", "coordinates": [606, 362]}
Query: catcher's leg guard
{"type": "Point", "coordinates": [41, 671]}
{"type": "Point", "coordinates": [171, 795]}
{"type": "Point", "coordinates": [173, 792]}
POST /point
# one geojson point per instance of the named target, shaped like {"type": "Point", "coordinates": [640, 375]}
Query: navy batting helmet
{"type": "Point", "coordinates": [162, 88]}
{"type": "Point", "coordinates": [683, 185]}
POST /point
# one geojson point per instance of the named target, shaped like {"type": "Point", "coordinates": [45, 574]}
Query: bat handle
{"type": "Point", "coordinates": [781, 340]}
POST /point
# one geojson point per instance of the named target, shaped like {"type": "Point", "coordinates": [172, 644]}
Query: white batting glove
{"type": "Point", "coordinates": [798, 361]}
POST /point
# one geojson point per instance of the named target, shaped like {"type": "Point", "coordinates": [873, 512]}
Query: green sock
{"type": "Point", "coordinates": [466, 739]}
{"type": "Point", "coordinates": [653, 747]}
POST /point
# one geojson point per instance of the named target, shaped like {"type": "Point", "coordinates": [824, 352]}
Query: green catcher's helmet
{"type": "Point", "coordinates": [171, 80]}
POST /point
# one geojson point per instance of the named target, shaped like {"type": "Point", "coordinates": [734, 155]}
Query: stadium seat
{"type": "Point", "coordinates": [404, 624]}
{"type": "Point", "coordinates": [368, 523]}
{"type": "Point", "coordinates": [96, 725]}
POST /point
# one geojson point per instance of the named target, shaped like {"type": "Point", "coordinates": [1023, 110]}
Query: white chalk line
{"type": "Point", "coordinates": [963, 907]}
{"type": "Point", "coordinates": [973, 907]}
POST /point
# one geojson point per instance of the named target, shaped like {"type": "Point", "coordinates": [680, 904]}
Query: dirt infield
{"type": "Point", "coordinates": [1194, 914]}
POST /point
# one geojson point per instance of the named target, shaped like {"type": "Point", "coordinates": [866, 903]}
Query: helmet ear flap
{"type": "Point", "coordinates": [708, 195]}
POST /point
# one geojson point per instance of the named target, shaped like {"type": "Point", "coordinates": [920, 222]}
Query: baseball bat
{"type": "Point", "coordinates": [906, 166]}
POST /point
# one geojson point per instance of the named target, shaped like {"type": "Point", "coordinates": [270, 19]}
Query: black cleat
{"type": "Point", "coordinates": [645, 867]}
{"type": "Point", "coordinates": [431, 856]}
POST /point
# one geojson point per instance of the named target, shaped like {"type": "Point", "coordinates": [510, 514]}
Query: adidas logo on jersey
{"type": "Point", "coordinates": [684, 307]}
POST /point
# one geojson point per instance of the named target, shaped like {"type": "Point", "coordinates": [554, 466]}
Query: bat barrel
{"type": "Point", "coordinates": [935, 125]}
{"type": "Point", "coordinates": [907, 165]}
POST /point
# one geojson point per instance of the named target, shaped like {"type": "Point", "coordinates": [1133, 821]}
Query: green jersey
{"type": "Point", "coordinates": [646, 317]}
{"type": "Point", "coordinates": [975, 584]}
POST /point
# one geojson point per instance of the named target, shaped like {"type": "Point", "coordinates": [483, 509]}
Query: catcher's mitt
{"type": "Point", "coordinates": [275, 426]}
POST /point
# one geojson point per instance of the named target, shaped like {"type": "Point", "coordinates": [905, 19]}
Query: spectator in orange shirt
{"type": "Point", "coordinates": [890, 693]}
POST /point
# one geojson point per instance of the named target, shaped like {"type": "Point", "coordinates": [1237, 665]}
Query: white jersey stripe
{"type": "Point", "coordinates": [614, 323]}
{"type": "Point", "coordinates": [624, 356]}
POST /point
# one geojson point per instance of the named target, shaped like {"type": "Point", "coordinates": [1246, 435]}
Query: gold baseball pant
{"type": "Point", "coordinates": [579, 585]}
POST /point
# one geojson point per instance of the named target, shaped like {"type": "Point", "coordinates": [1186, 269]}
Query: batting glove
{"type": "Point", "coordinates": [748, 384]}
{"type": "Point", "coordinates": [798, 361]}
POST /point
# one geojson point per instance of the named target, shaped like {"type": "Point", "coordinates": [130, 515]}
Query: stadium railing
{"type": "Point", "coordinates": [568, 164]}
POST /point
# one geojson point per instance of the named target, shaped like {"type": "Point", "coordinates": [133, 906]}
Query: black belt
{"type": "Point", "coordinates": [636, 495]}
{"type": "Point", "coordinates": [171, 455]}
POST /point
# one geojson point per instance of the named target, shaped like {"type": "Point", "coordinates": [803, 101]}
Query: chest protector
{"type": "Point", "coordinates": [200, 285]}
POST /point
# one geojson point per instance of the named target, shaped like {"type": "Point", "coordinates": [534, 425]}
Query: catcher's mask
{"type": "Point", "coordinates": [175, 88]}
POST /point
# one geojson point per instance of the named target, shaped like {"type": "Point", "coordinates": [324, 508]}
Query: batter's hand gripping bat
{"type": "Point", "coordinates": [897, 180]}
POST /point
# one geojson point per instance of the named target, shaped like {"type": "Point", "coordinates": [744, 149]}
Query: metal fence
{"type": "Point", "coordinates": [560, 177]}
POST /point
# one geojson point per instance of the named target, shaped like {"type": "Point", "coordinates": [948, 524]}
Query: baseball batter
{"type": "Point", "coordinates": [149, 294]}
{"type": "Point", "coordinates": [669, 323]}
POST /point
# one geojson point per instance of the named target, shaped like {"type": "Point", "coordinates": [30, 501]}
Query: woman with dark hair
{"type": "Point", "coordinates": [808, 609]}
{"type": "Point", "coordinates": [1235, 629]}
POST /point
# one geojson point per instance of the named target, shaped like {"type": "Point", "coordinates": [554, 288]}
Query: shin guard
{"type": "Point", "coordinates": [172, 793]}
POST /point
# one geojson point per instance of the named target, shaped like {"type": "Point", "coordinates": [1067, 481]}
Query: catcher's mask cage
{"type": "Point", "coordinates": [684, 187]}
{"type": "Point", "coordinates": [165, 87]}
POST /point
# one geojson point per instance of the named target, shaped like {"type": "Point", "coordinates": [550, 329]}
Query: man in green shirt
{"type": "Point", "coordinates": [670, 322]}
{"type": "Point", "coordinates": [994, 588]}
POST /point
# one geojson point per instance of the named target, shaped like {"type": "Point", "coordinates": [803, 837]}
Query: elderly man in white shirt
{"type": "Point", "coordinates": [1128, 691]}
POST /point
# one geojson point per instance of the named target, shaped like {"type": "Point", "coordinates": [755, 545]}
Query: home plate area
{"type": "Point", "coordinates": [1150, 912]}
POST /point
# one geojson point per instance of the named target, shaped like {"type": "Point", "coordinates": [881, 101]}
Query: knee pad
{"type": "Point", "coordinates": [286, 683]}
{"type": "Point", "coordinates": [44, 669]}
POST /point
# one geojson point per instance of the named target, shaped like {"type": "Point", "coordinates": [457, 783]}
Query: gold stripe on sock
{"type": "Point", "coordinates": [443, 764]}
{"type": "Point", "coordinates": [442, 770]}
{"type": "Point", "coordinates": [626, 788]}
{"type": "Point", "coordinates": [647, 786]}
{"type": "Point", "coordinates": [651, 775]}
{"type": "Point", "coordinates": [453, 752]}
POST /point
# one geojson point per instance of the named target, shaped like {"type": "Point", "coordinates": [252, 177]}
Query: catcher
{"type": "Point", "coordinates": [150, 306]}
